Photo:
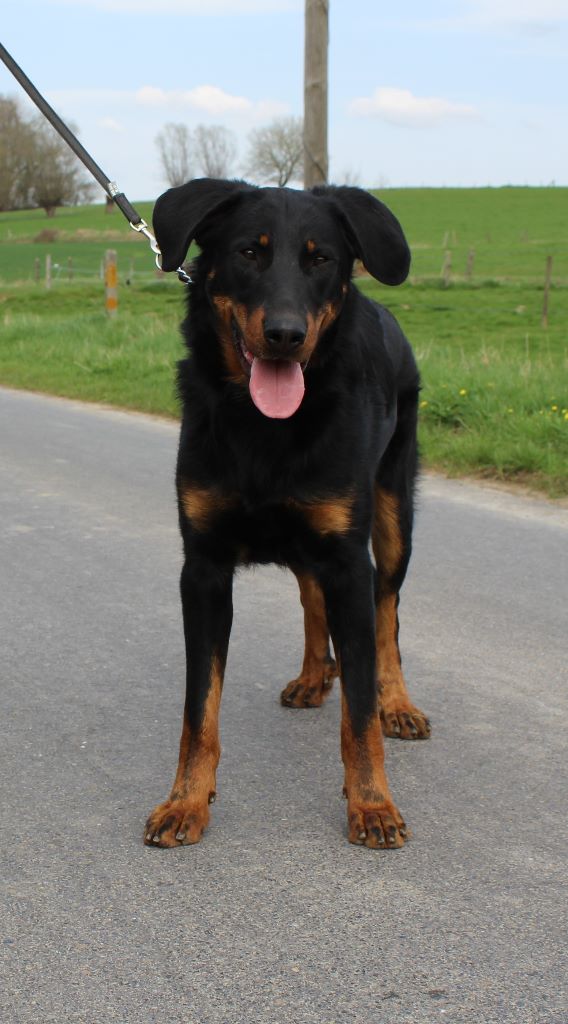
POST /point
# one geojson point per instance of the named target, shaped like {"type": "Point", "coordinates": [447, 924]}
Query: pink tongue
{"type": "Point", "coordinates": [276, 387]}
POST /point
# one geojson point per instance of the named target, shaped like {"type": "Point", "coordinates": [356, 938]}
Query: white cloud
{"type": "Point", "coordinates": [110, 124]}
{"type": "Point", "coordinates": [400, 106]}
{"type": "Point", "coordinates": [266, 110]}
{"type": "Point", "coordinates": [208, 98]}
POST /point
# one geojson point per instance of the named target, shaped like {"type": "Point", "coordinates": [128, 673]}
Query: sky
{"type": "Point", "coordinates": [440, 93]}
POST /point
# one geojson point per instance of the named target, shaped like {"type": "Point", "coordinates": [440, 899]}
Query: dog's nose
{"type": "Point", "coordinates": [284, 336]}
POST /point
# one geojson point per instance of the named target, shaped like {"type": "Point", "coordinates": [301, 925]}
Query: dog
{"type": "Point", "coordinates": [298, 447]}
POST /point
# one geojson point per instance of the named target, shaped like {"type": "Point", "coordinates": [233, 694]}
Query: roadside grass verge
{"type": "Point", "coordinates": [63, 343]}
{"type": "Point", "coordinates": [494, 402]}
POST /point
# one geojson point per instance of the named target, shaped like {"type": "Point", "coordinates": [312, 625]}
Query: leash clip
{"type": "Point", "coordinates": [143, 229]}
{"type": "Point", "coordinates": [183, 275]}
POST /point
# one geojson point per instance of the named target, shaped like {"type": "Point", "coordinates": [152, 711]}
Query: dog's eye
{"type": "Point", "coordinates": [249, 254]}
{"type": "Point", "coordinates": [318, 259]}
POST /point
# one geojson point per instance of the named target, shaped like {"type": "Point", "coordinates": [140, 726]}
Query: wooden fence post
{"type": "Point", "coordinates": [48, 270]}
{"type": "Point", "coordinates": [111, 283]}
{"type": "Point", "coordinates": [37, 271]}
{"type": "Point", "coordinates": [69, 268]}
{"type": "Point", "coordinates": [547, 280]}
{"type": "Point", "coordinates": [470, 262]}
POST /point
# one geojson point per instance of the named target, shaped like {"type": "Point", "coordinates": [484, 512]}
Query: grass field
{"type": "Point", "coordinates": [495, 397]}
{"type": "Point", "coordinates": [80, 234]}
{"type": "Point", "coordinates": [511, 230]}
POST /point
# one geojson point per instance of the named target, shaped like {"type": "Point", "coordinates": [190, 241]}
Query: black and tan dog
{"type": "Point", "coordinates": [298, 446]}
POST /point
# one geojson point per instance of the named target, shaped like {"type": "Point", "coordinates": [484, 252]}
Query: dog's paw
{"type": "Point", "coordinates": [176, 823]}
{"type": "Point", "coordinates": [404, 721]}
{"type": "Point", "coordinates": [310, 690]}
{"type": "Point", "coordinates": [305, 693]}
{"type": "Point", "coordinates": [378, 826]}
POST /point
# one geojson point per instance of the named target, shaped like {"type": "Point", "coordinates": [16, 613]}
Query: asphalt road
{"type": "Point", "coordinates": [274, 917]}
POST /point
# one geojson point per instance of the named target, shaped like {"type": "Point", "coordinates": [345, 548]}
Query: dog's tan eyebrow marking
{"type": "Point", "coordinates": [311, 245]}
{"type": "Point", "coordinates": [264, 239]}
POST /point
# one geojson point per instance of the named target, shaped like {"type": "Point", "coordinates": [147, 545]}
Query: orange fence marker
{"type": "Point", "coordinates": [111, 283]}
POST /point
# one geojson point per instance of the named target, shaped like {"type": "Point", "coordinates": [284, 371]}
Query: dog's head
{"type": "Point", "coordinates": [276, 265]}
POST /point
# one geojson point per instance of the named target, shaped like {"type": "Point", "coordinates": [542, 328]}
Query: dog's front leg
{"type": "Point", "coordinates": [206, 594]}
{"type": "Point", "coordinates": [373, 818]}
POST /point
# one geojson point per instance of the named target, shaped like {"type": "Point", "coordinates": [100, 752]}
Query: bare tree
{"type": "Point", "coordinates": [15, 156]}
{"type": "Point", "coordinates": [276, 152]}
{"type": "Point", "coordinates": [348, 177]}
{"type": "Point", "coordinates": [174, 144]}
{"type": "Point", "coordinates": [215, 150]}
{"type": "Point", "coordinates": [55, 173]}
{"type": "Point", "coordinates": [37, 168]}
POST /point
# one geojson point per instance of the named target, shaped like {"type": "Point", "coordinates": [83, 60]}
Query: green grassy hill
{"type": "Point", "coordinates": [510, 230]}
{"type": "Point", "coordinates": [79, 234]}
{"type": "Point", "coordinates": [495, 379]}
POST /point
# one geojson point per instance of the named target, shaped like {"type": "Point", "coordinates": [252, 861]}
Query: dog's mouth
{"type": "Point", "coordinates": [276, 385]}
{"type": "Point", "coordinates": [246, 357]}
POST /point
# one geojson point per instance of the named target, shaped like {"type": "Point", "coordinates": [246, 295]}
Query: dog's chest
{"type": "Point", "coordinates": [285, 530]}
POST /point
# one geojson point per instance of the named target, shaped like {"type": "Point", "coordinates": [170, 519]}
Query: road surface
{"type": "Point", "coordinates": [274, 917]}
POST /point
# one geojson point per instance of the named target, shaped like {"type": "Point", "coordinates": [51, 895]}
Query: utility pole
{"type": "Point", "coordinates": [315, 92]}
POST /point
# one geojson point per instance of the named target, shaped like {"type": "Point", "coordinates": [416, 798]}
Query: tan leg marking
{"type": "Point", "coordinates": [373, 818]}
{"type": "Point", "coordinates": [182, 818]}
{"type": "Point", "coordinates": [387, 540]}
{"type": "Point", "coordinates": [315, 681]}
{"type": "Point", "coordinates": [399, 716]}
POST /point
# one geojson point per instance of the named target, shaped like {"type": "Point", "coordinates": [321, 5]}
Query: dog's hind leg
{"type": "Point", "coordinates": [319, 669]}
{"type": "Point", "coordinates": [392, 541]}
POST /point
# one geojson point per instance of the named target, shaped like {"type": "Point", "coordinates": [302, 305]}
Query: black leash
{"type": "Point", "coordinates": [137, 223]}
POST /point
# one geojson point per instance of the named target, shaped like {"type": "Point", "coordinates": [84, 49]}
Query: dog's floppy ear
{"type": "Point", "coordinates": [179, 213]}
{"type": "Point", "coordinates": [376, 237]}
